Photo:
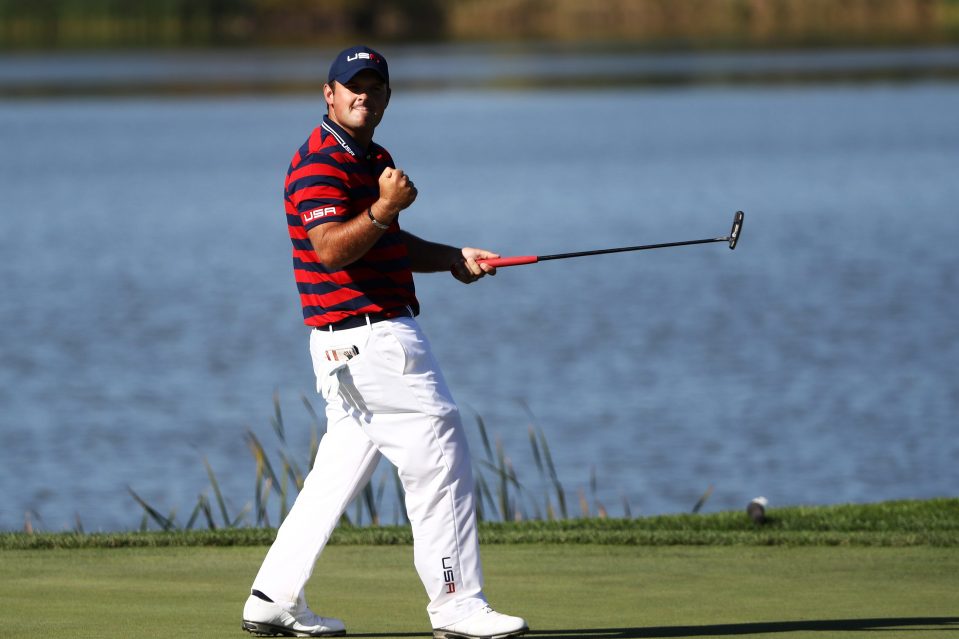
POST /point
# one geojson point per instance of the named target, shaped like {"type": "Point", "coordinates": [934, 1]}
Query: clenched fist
{"type": "Point", "coordinates": [396, 193]}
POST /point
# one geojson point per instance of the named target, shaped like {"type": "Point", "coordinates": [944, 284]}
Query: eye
{"type": "Point", "coordinates": [378, 88]}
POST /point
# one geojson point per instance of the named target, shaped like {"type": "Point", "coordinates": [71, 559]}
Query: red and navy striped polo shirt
{"type": "Point", "coordinates": [332, 179]}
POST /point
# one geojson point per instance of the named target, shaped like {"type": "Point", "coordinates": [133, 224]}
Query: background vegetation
{"type": "Point", "coordinates": [26, 24]}
{"type": "Point", "coordinates": [898, 524]}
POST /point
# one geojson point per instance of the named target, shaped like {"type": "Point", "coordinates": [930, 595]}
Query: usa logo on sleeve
{"type": "Point", "coordinates": [315, 214]}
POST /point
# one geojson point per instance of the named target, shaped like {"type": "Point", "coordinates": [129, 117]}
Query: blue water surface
{"type": "Point", "coordinates": [149, 312]}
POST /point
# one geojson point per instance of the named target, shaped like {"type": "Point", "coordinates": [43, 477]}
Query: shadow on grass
{"type": "Point", "coordinates": [719, 630]}
{"type": "Point", "coordinates": [917, 624]}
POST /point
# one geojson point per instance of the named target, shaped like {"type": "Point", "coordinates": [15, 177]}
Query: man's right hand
{"type": "Point", "coordinates": [396, 193]}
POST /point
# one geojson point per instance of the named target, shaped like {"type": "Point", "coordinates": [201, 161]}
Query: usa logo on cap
{"type": "Point", "coordinates": [349, 62]}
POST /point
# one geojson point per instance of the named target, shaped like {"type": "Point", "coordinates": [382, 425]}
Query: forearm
{"type": "Point", "coordinates": [430, 257]}
{"type": "Point", "coordinates": [342, 243]}
{"type": "Point", "coordinates": [338, 244]}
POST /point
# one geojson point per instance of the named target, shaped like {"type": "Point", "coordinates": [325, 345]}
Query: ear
{"type": "Point", "coordinates": [389, 92]}
{"type": "Point", "coordinates": [328, 95]}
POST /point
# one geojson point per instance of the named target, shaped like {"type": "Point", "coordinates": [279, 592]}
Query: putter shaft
{"type": "Point", "coordinates": [517, 260]}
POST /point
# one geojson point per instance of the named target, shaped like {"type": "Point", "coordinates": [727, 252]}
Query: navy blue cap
{"type": "Point", "coordinates": [351, 61]}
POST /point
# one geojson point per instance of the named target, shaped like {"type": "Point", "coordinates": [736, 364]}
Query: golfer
{"type": "Point", "coordinates": [384, 391]}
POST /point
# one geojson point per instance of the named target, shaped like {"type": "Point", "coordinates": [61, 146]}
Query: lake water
{"type": "Point", "coordinates": [149, 312]}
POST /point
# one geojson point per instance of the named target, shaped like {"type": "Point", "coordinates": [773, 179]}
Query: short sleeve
{"type": "Point", "coordinates": [317, 190]}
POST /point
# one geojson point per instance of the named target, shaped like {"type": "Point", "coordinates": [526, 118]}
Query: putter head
{"type": "Point", "coordinates": [737, 227]}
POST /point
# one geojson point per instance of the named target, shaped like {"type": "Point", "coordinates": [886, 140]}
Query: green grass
{"type": "Point", "coordinates": [810, 573]}
{"type": "Point", "coordinates": [564, 591]}
{"type": "Point", "coordinates": [932, 522]}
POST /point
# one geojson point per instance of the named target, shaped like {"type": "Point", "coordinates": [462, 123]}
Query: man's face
{"type": "Point", "coordinates": [358, 105]}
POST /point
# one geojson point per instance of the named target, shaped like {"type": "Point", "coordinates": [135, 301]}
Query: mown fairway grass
{"type": "Point", "coordinates": [565, 590]}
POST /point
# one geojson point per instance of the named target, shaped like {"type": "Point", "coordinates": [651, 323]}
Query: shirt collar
{"type": "Point", "coordinates": [345, 140]}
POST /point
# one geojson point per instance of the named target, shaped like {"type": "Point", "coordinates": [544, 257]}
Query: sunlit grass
{"type": "Point", "coordinates": [570, 591]}
{"type": "Point", "coordinates": [894, 524]}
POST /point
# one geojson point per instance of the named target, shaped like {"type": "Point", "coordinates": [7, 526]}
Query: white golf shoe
{"type": "Point", "coordinates": [266, 619]}
{"type": "Point", "coordinates": [484, 624]}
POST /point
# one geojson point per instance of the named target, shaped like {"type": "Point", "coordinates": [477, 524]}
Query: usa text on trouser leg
{"type": "Point", "coordinates": [392, 400]}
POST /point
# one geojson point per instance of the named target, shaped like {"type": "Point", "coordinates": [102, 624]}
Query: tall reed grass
{"type": "Point", "coordinates": [501, 495]}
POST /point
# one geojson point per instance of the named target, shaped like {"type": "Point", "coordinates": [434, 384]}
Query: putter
{"type": "Point", "coordinates": [517, 260]}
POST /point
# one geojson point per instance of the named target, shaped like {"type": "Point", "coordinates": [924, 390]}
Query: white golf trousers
{"type": "Point", "coordinates": [391, 399]}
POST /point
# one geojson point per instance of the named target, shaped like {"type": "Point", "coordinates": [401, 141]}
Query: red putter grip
{"type": "Point", "coordinates": [516, 260]}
